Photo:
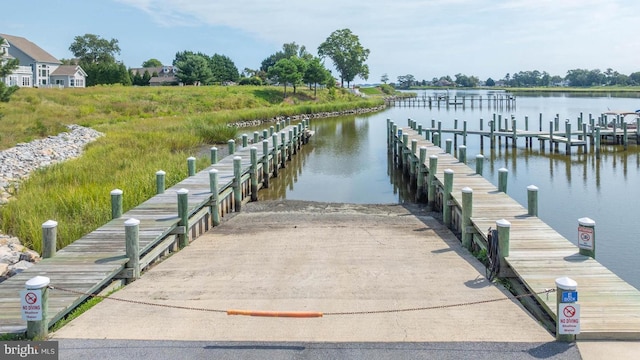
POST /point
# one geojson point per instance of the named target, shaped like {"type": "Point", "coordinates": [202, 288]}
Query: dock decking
{"type": "Point", "coordinates": [91, 263]}
{"type": "Point", "coordinates": [610, 307]}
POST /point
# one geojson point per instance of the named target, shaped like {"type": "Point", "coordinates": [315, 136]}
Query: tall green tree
{"type": "Point", "coordinates": [288, 51]}
{"type": "Point", "coordinates": [152, 63]}
{"type": "Point", "coordinates": [223, 69]}
{"type": "Point", "coordinates": [348, 55]}
{"type": "Point", "coordinates": [193, 69]}
{"type": "Point", "coordinates": [93, 49]}
{"type": "Point", "coordinates": [285, 71]}
{"type": "Point", "coordinates": [97, 56]}
{"type": "Point", "coordinates": [316, 74]}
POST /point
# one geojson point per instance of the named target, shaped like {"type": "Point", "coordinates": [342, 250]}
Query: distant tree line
{"type": "Point", "coordinates": [574, 78]}
{"type": "Point", "coordinates": [292, 66]}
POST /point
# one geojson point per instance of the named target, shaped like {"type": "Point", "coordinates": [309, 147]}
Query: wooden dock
{"type": "Point", "coordinates": [96, 263]}
{"type": "Point", "coordinates": [610, 307]}
{"type": "Point", "coordinates": [444, 100]}
{"type": "Point", "coordinates": [498, 130]}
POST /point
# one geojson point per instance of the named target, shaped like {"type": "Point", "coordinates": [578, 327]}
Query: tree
{"type": "Point", "coordinates": [152, 63]}
{"type": "Point", "coordinates": [490, 82]}
{"type": "Point", "coordinates": [347, 54]}
{"type": "Point", "coordinates": [406, 81]}
{"type": "Point", "coordinates": [285, 71]}
{"type": "Point", "coordinates": [385, 78]}
{"type": "Point", "coordinates": [6, 68]}
{"type": "Point", "coordinates": [316, 74]}
{"type": "Point", "coordinates": [193, 69]}
{"type": "Point", "coordinates": [634, 78]}
{"type": "Point", "coordinates": [92, 49]}
{"type": "Point", "coordinates": [107, 73]}
{"type": "Point", "coordinates": [289, 50]}
{"type": "Point", "coordinates": [223, 69]}
{"type": "Point", "coordinates": [466, 81]}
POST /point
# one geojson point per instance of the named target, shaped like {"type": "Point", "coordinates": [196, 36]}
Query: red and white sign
{"type": "Point", "coordinates": [568, 319]}
{"type": "Point", "coordinates": [31, 304]}
{"type": "Point", "coordinates": [585, 237]}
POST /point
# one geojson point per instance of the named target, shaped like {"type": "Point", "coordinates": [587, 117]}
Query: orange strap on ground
{"type": "Point", "coordinates": [289, 314]}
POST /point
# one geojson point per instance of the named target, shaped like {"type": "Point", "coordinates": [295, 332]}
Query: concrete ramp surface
{"type": "Point", "coordinates": [306, 256]}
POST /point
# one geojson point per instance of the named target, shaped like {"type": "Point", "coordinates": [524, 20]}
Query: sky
{"type": "Point", "coordinates": [423, 38]}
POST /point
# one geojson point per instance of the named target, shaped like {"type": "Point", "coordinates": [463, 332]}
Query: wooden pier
{"type": "Point", "coordinates": [536, 255]}
{"type": "Point", "coordinates": [595, 132]}
{"type": "Point", "coordinates": [506, 101]}
{"type": "Point", "coordinates": [97, 262]}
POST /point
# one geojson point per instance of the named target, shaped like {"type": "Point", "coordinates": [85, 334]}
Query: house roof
{"type": "Point", "coordinates": [163, 79]}
{"type": "Point", "coordinates": [68, 70]}
{"type": "Point", "coordinates": [32, 50]}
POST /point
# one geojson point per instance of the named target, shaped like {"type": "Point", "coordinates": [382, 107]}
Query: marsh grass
{"type": "Point", "coordinates": [146, 130]}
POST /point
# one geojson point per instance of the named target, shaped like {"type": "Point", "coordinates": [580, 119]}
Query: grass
{"type": "Point", "coordinates": [146, 129]}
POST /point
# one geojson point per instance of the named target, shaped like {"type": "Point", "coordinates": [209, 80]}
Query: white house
{"type": "Point", "coordinates": [68, 76]}
{"type": "Point", "coordinates": [37, 67]}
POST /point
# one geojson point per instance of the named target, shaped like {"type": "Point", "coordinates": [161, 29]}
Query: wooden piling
{"type": "Point", "coordinates": [433, 168]}
{"type": "Point", "coordinates": [237, 183]}
{"type": "Point", "coordinates": [39, 329]}
{"type": "Point", "coordinates": [420, 174]}
{"type": "Point", "coordinates": [215, 201]}
{"type": "Point", "coordinates": [265, 163]}
{"type": "Point", "coordinates": [467, 213]}
{"type": "Point", "coordinates": [131, 227]}
{"type": "Point", "coordinates": [479, 163]}
{"type": "Point", "coordinates": [183, 215]}
{"type": "Point", "coordinates": [254, 173]}
{"type": "Point", "coordinates": [503, 173]}
{"type": "Point", "coordinates": [532, 200]}
{"type": "Point", "coordinates": [504, 228]}
{"type": "Point", "coordinates": [191, 166]}
{"type": "Point", "coordinates": [214, 155]}
{"type": "Point", "coordinates": [116, 203]}
{"type": "Point", "coordinates": [160, 181]}
{"type": "Point", "coordinates": [446, 197]}
{"type": "Point", "coordinates": [49, 238]}
{"type": "Point", "coordinates": [231, 145]}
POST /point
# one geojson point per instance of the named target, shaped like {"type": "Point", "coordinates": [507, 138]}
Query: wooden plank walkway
{"type": "Point", "coordinates": [610, 307]}
{"type": "Point", "coordinates": [95, 260]}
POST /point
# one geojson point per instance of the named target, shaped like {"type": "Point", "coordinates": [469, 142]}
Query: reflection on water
{"type": "Point", "coordinates": [347, 161]}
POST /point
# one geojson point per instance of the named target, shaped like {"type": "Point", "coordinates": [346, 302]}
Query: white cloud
{"type": "Point", "coordinates": [427, 37]}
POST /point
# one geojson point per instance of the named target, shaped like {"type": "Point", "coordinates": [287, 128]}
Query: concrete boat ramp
{"type": "Point", "coordinates": [329, 258]}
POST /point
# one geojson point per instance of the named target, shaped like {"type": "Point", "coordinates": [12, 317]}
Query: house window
{"type": "Point", "coordinates": [26, 81]}
{"type": "Point", "coordinates": [80, 83]}
{"type": "Point", "coordinates": [13, 80]}
{"type": "Point", "coordinates": [43, 81]}
{"type": "Point", "coordinates": [72, 82]}
{"type": "Point", "coordinates": [59, 82]}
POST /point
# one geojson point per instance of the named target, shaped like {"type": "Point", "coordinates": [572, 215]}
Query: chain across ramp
{"type": "Point", "coordinates": [302, 314]}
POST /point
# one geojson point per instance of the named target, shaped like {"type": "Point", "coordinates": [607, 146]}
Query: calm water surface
{"type": "Point", "coordinates": [347, 161]}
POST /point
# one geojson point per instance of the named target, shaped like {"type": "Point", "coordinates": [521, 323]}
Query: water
{"type": "Point", "coordinates": [347, 161]}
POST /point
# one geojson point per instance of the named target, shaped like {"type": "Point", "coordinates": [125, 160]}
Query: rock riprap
{"type": "Point", "coordinates": [16, 164]}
